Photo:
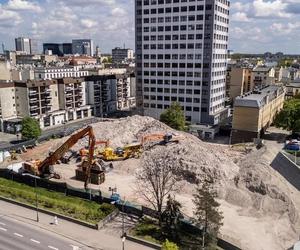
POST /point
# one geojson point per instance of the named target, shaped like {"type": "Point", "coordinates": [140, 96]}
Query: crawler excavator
{"type": "Point", "coordinates": [44, 169]}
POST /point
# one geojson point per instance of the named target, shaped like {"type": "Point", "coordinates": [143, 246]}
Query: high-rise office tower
{"type": "Point", "coordinates": [83, 47]}
{"type": "Point", "coordinates": [181, 55]}
{"type": "Point", "coordinates": [23, 44]}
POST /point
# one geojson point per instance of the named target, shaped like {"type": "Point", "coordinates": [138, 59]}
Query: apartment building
{"type": "Point", "coordinates": [254, 112]}
{"type": "Point", "coordinates": [120, 55]}
{"type": "Point", "coordinates": [181, 55]}
{"type": "Point", "coordinates": [263, 76]}
{"type": "Point", "coordinates": [72, 98]}
{"type": "Point", "coordinates": [51, 102]}
{"type": "Point", "coordinates": [108, 93]}
{"type": "Point", "coordinates": [59, 72]}
{"type": "Point", "coordinates": [238, 81]}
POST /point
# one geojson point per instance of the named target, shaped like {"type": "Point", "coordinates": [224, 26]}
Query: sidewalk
{"type": "Point", "coordinates": [93, 239]}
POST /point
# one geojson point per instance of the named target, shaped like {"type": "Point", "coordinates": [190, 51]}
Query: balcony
{"type": "Point", "coordinates": [33, 100]}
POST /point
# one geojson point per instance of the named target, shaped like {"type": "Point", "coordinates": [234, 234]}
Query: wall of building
{"type": "Point", "coordinates": [5, 68]}
{"type": "Point", "coordinates": [7, 102]}
{"type": "Point", "coordinates": [22, 101]}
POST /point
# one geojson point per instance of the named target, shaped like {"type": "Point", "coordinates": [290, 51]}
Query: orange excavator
{"type": "Point", "coordinates": [45, 168]}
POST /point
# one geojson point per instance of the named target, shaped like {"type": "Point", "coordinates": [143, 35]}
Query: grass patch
{"type": "Point", "coordinates": [76, 208]}
{"type": "Point", "coordinates": [149, 230]}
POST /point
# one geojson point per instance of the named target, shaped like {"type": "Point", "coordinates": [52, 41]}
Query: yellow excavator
{"type": "Point", "coordinates": [44, 169]}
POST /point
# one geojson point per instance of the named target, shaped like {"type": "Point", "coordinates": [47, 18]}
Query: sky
{"type": "Point", "coordinates": [256, 26]}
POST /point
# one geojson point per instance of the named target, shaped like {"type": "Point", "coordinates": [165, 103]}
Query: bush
{"type": "Point", "coordinates": [169, 246]}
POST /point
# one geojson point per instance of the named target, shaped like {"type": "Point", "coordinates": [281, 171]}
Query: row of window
{"type": "Point", "coordinates": [169, 74]}
{"type": "Point", "coordinates": [174, 28]}
{"type": "Point", "coordinates": [175, 82]}
{"type": "Point", "coordinates": [175, 65]}
{"type": "Point", "coordinates": [187, 108]}
{"type": "Point", "coordinates": [173, 91]}
{"type": "Point", "coordinates": [173, 99]}
{"type": "Point", "coordinates": [173, 56]}
{"type": "Point", "coordinates": [154, 2]}
{"type": "Point", "coordinates": [173, 46]}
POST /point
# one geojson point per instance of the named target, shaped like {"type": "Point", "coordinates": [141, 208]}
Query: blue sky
{"type": "Point", "coordinates": [256, 25]}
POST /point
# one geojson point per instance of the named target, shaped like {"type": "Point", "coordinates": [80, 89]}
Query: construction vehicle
{"type": "Point", "coordinates": [85, 151]}
{"type": "Point", "coordinates": [118, 154]}
{"type": "Point", "coordinates": [45, 169]}
{"type": "Point", "coordinates": [162, 138]}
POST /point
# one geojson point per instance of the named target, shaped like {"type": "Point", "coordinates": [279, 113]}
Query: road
{"type": "Point", "coordinates": [16, 235]}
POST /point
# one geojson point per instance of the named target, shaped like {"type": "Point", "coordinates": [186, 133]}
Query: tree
{"type": "Point", "coordinates": [30, 128]}
{"type": "Point", "coordinates": [157, 179]}
{"type": "Point", "coordinates": [174, 117]}
{"type": "Point", "coordinates": [171, 215]}
{"type": "Point", "coordinates": [289, 117]}
{"type": "Point", "coordinates": [207, 212]}
{"type": "Point", "coordinates": [169, 246]}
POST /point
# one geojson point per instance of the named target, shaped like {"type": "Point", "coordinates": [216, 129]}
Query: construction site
{"type": "Point", "coordinates": [260, 207]}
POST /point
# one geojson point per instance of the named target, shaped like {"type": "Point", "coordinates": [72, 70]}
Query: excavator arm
{"type": "Point", "coordinates": [44, 166]}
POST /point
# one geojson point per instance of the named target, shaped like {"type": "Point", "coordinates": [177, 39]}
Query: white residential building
{"type": "Point", "coordinates": [181, 56]}
{"type": "Point", "coordinates": [59, 72]}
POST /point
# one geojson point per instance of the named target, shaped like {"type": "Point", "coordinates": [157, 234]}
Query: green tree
{"type": "Point", "coordinates": [171, 215]}
{"type": "Point", "coordinates": [174, 117]}
{"type": "Point", "coordinates": [289, 117]}
{"type": "Point", "coordinates": [30, 128]}
{"type": "Point", "coordinates": [207, 213]}
{"type": "Point", "coordinates": [169, 246]}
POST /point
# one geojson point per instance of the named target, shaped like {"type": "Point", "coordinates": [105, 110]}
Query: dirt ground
{"type": "Point", "coordinates": [260, 208]}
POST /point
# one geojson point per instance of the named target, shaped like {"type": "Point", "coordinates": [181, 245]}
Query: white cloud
{"type": "Point", "coordinates": [240, 17]}
{"type": "Point", "coordinates": [275, 8]}
{"type": "Point", "coordinates": [88, 23]}
{"type": "Point", "coordinates": [9, 18]}
{"type": "Point", "coordinates": [23, 5]}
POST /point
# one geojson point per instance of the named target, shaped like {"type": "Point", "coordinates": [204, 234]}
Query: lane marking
{"type": "Point", "coordinates": [54, 248]}
{"type": "Point", "coordinates": [35, 241]}
{"type": "Point", "coordinates": [3, 229]}
{"type": "Point", "coordinates": [3, 224]}
{"type": "Point", "coordinates": [19, 235]}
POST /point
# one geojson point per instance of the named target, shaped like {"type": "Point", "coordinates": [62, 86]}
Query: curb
{"type": "Point", "coordinates": [143, 242]}
{"type": "Point", "coordinates": [82, 223]}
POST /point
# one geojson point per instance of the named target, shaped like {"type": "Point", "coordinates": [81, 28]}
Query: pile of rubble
{"type": "Point", "coordinates": [242, 179]}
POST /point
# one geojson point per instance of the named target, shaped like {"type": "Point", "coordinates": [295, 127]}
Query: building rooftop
{"type": "Point", "coordinates": [259, 98]}
{"type": "Point", "coordinates": [261, 69]}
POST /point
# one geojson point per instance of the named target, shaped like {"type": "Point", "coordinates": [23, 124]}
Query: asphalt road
{"type": "Point", "coordinates": [15, 235]}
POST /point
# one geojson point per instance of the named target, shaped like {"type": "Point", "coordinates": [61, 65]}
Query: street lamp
{"type": "Point", "coordinates": [36, 195]}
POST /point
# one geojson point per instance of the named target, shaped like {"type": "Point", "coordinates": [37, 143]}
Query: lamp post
{"type": "Point", "coordinates": [36, 194]}
{"type": "Point", "coordinates": [123, 225]}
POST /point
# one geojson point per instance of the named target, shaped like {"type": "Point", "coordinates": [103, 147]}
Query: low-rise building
{"type": "Point", "coordinates": [293, 89]}
{"type": "Point", "coordinates": [262, 76]}
{"type": "Point", "coordinates": [238, 81]}
{"type": "Point", "coordinates": [254, 112]}
{"type": "Point", "coordinates": [59, 72]}
{"type": "Point", "coordinates": [120, 55]}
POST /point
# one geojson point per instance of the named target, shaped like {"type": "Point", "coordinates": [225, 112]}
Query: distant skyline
{"type": "Point", "coordinates": [256, 26]}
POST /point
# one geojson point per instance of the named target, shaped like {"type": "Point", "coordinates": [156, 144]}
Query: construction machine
{"type": "Point", "coordinates": [85, 151]}
{"type": "Point", "coordinates": [45, 169]}
{"type": "Point", "coordinates": [118, 154]}
{"type": "Point", "coordinates": [162, 138]}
